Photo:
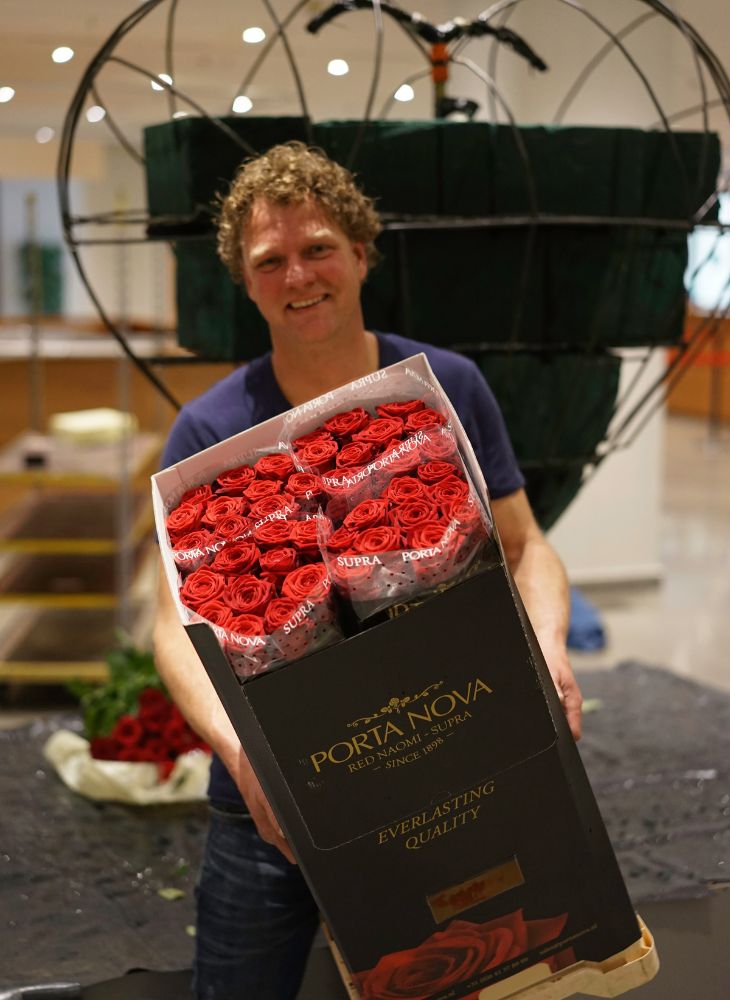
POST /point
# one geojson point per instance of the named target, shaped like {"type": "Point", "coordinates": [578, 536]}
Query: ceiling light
{"type": "Point", "coordinates": [242, 104]}
{"type": "Point", "coordinates": [161, 76]}
{"type": "Point", "coordinates": [404, 93]}
{"type": "Point", "coordinates": [6, 94]}
{"type": "Point", "coordinates": [44, 134]}
{"type": "Point", "coordinates": [180, 114]}
{"type": "Point", "coordinates": [62, 54]}
{"type": "Point", "coordinates": [337, 67]}
{"type": "Point", "coordinates": [95, 113]}
{"type": "Point", "coordinates": [253, 35]}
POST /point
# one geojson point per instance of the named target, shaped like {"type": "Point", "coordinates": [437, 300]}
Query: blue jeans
{"type": "Point", "coordinates": [256, 916]}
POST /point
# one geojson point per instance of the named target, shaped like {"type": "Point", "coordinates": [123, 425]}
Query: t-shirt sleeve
{"type": "Point", "coordinates": [485, 426]}
{"type": "Point", "coordinates": [187, 437]}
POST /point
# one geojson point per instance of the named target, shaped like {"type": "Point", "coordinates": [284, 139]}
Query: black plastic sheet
{"type": "Point", "coordinates": [80, 881]}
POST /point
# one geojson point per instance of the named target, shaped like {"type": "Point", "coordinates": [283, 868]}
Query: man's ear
{"type": "Point", "coordinates": [361, 258]}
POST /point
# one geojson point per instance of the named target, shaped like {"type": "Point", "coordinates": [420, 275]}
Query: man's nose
{"type": "Point", "coordinates": [298, 272]}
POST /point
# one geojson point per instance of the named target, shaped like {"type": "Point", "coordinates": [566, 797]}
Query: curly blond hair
{"type": "Point", "coordinates": [289, 174]}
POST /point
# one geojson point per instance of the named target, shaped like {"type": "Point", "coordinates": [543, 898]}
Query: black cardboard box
{"type": "Point", "coordinates": [425, 776]}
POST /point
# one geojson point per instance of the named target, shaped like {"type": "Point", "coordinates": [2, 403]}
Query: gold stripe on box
{"type": "Point", "coordinates": [448, 902]}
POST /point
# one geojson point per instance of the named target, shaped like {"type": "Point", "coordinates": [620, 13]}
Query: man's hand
{"type": "Point", "coordinates": [258, 805]}
{"type": "Point", "coordinates": [556, 657]}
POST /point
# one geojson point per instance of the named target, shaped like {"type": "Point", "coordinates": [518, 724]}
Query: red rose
{"type": "Point", "coordinates": [277, 562]}
{"type": "Point", "coordinates": [310, 581]}
{"type": "Point", "coordinates": [233, 527]}
{"type": "Point", "coordinates": [282, 504]}
{"type": "Point", "coordinates": [236, 557]}
{"type": "Point", "coordinates": [319, 435]}
{"type": "Point", "coordinates": [402, 458]}
{"type": "Point", "coordinates": [154, 708]}
{"type": "Point", "coordinates": [304, 536]}
{"type": "Point", "coordinates": [432, 472]}
{"type": "Point", "coordinates": [344, 425]}
{"type": "Point", "coordinates": [424, 418]}
{"type": "Point", "coordinates": [352, 573]}
{"type": "Point", "coordinates": [222, 507]}
{"type": "Point", "coordinates": [200, 586]}
{"type": "Point", "coordinates": [104, 748]}
{"type": "Point", "coordinates": [368, 514]}
{"type": "Point", "coordinates": [440, 446]}
{"type": "Point", "coordinates": [413, 512]}
{"type": "Point", "coordinates": [184, 519]}
{"type": "Point", "coordinates": [427, 535]}
{"type": "Point", "coordinates": [235, 481]}
{"type": "Point", "coordinates": [403, 488]}
{"type": "Point", "coordinates": [354, 455]}
{"type": "Point", "coordinates": [279, 612]}
{"type": "Point", "coordinates": [304, 486]}
{"type": "Point", "coordinates": [382, 539]}
{"type": "Point", "coordinates": [198, 494]}
{"type": "Point", "coordinates": [273, 533]}
{"type": "Point", "coordinates": [131, 754]}
{"type": "Point", "coordinates": [247, 624]}
{"type": "Point", "coordinates": [340, 540]}
{"type": "Point", "coordinates": [216, 612]}
{"type": "Point", "coordinates": [400, 410]}
{"type": "Point", "coordinates": [193, 550]}
{"type": "Point", "coordinates": [464, 511]}
{"type": "Point", "coordinates": [249, 595]}
{"type": "Point", "coordinates": [276, 466]}
{"type": "Point", "coordinates": [381, 431]}
{"type": "Point", "coordinates": [127, 731]}
{"type": "Point", "coordinates": [457, 954]}
{"type": "Point", "coordinates": [319, 455]}
{"type": "Point", "coordinates": [449, 489]}
{"type": "Point", "coordinates": [261, 488]}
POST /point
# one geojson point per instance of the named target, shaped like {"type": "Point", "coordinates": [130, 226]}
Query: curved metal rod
{"type": "Point", "coordinates": [295, 70]}
{"type": "Point", "coordinates": [390, 100]}
{"type": "Point", "coordinates": [169, 67]}
{"type": "Point", "coordinates": [677, 116]}
{"type": "Point", "coordinates": [221, 126]}
{"type": "Point", "coordinates": [268, 46]}
{"type": "Point", "coordinates": [374, 81]}
{"type": "Point", "coordinates": [115, 130]}
{"type": "Point", "coordinates": [595, 62]}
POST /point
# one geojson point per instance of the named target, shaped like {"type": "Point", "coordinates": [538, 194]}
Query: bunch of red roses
{"type": "Point", "coordinates": [248, 552]}
{"type": "Point", "coordinates": [157, 733]}
{"type": "Point", "coordinates": [380, 504]}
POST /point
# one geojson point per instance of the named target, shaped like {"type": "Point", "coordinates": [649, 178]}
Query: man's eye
{"type": "Point", "coordinates": [268, 264]}
{"type": "Point", "coordinates": [318, 250]}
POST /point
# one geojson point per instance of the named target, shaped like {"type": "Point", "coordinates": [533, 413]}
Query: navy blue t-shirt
{"type": "Point", "coordinates": [251, 395]}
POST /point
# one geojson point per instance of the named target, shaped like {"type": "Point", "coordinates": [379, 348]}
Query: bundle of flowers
{"type": "Point", "coordinates": [246, 547]}
{"type": "Point", "coordinates": [376, 502]}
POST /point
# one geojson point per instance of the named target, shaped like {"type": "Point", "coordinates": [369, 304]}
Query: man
{"type": "Point", "coordinates": [299, 234]}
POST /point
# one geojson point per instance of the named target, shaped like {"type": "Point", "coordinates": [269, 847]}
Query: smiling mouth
{"type": "Point", "coordinates": [307, 303]}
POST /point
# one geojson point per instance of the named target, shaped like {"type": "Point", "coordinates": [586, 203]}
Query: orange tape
{"type": "Point", "coordinates": [705, 359]}
{"type": "Point", "coordinates": [439, 63]}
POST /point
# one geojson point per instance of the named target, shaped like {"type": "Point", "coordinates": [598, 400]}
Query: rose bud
{"type": "Point", "coordinates": [216, 612]}
{"type": "Point", "coordinates": [305, 535]}
{"type": "Point", "coordinates": [400, 459]}
{"type": "Point", "coordinates": [449, 489]}
{"type": "Point", "coordinates": [185, 518]}
{"type": "Point", "coordinates": [273, 533]}
{"type": "Point", "coordinates": [373, 540]}
{"type": "Point", "coordinates": [340, 540]}
{"type": "Point", "coordinates": [401, 410]}
{"type": "Point", "coordinates": [280, 505]}
{"type": "Point", "coordinates": [308, 582]}
{"type": "Point", "coordinates": [440, 447]}
{"type": "Point", "coordinates": [368, 514]}
{"type": "Point", "coordinates": [246, 624]}
{"type": "Point", "coordinates": [277, 562]}
{"type": "Point", "coordinates": [191, 551]}
{"type": "Point", "coordinates": [432, 472]}
{"type": "Point", "coordinates": [261, 488]}
{"type": "Point", "coordinates": [236, 557]}
{"type": "Point", "coordinates": [354, 455]}
{"type": "Point", "coordinates": [413, 512]}
{"type": "Point", "coordinates": [403, 488]}
{"type": "Point", "coordinates": [427, 535]}
{"type": "Point", "coordinates": [464, 511]}
{"type": "Point", "coordinates": [235, 481]}
{"type": "Point", "coordinates": [344, 425]}
{"type": "Point", "coordinates": [381, 431]}
{"type": "Point", "coordinates": [424, 418]}
{"type": "Point", "coordinates": [279, 612]}
{"type": "Point", "coordinates": [198, 494]}
{"type": "Point", "coordinates": [318, 435]}
{"type": "Point", "coordinates": [221, 507]}
{"type": "Point", "coordinates": [277, 466]}
{"type": "Point", "coordinates": [248, 594]}
{"type": "Point", "coordinates": [233, 527]}
{"type": "Point", "coordinates": [200, 586]}
{"type": "Point", "coordinates": [319, 455]}
{"type": "Point", "coordinates": [304, 486]}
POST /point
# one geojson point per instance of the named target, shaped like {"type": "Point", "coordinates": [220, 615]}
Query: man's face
{"type": "Point", "coordinates": [303, 273]}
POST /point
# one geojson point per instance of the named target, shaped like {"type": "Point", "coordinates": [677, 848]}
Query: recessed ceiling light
{"type": "Point", "coordinates": [44, 134]}
{"type": "Point", "coordinates": [404, 93]}
{"type": "Point", "coordinates": [242, 104]}
{"type": "Point", "coordinates": [253, 35]}
{"type": "Point", "coordinates": [6, 94]}
{"type": "Point", "coordinates": [62, 54]}
{"type": "Point", "coordinates": [337, 67]}
{"type": "Point", "coordinates": [160, 76]}
{"type": "Point", "coordinates": [95, 113]}
{"type": "Point", "coordinates": [180, 114]}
